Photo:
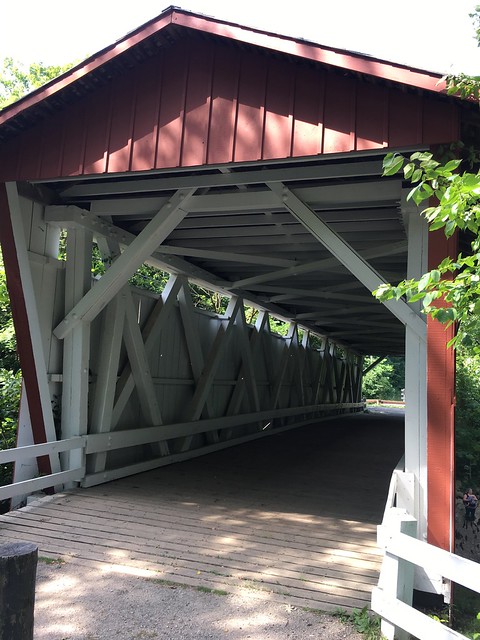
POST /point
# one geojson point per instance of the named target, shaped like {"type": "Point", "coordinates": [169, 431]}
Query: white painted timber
{"type": "Point", "coordinates": [132, 437]}
{"type": "Point", "coordinates": [416, 378]}
{"type": "Point", "coordinates": [37, 484]}
{"type": "Point", "coordinates": [344, 253]}
{"type": "Point", "coordinates": [28, 452]}
{"type": "Point", "coordinates": [414, 622]}
{"type": "Point", "coordinates": [91, 480]}
{"type": "Point", "coordinates": [139, 363]}
{"type": "Point", "coordinates": [74, 217]}
{"type": "Point", "coordinates": [151, 334]}
{"type": "Point", "coordinates": [387, 599]}
{"type": "Point", "coordinates": [106, 382]}
{"type": "Point", "coordinates": [396, 575]}
{"type": "Point", "coordinates": [117, 276]}
{"type": "Point", "coordinates": [76, 348]}
{"type": "Point", "coordinates": [212, 179]}
{"type": "Point", "coordinates": [317, 265]}
{"type": "Point", "coordinates": [33, 316]}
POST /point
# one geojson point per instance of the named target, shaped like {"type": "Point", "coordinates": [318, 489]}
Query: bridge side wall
{"type": "Point", "coordinates": [166, 380]}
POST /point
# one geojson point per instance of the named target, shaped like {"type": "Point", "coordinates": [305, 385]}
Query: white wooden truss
{"type": "Point", "coordinates": [147, 379]}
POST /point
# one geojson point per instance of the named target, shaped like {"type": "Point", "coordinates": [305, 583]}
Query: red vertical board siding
{"type": "Point", "coordinates": [145, 127]}
{"type": "Point", "coordinates": [22, 327]}
{"type": "Point", "coordinates": [172, 106]}
{"type": "Point", "coordinates": [224, 106]}
{"type": "Point", "coordinates": [308, 112]}
{"type": "Point", "coordinates": [371, 120]}
{"type": "Point", "coordinates": [405, 121]}
{"type": "Point", "coordinates": [29, 157]}
{"type": "Point", "coordinates": [440, 412]}
{"type": "Point", "coordinates": [97, 125]}
{"type": "Point", "coordinates": [339, 122]}
{"type": "Point", "coordinates": [52, 147]}
{"type": "Point", "coordinates": [251, 107]}
{"type": "Point", "coordinates": [440, 122]}
{"type": "Point", "coordinates": [197, 105]}
{"type": "Point", "coordinates": [74, 140]}
{"type": "Point", "coordinates": [277, 140]}
{"type": "Point", "coordinates": [120, 141]}
{"type": "Point", "coordinates": [9, 160]}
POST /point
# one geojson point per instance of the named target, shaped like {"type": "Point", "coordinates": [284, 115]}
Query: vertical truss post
{"type": "Point", "coordinates": [27, 322]}
{"type": "Point", "coordinates": [76, 347]}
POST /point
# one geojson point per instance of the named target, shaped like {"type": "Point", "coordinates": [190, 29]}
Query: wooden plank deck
{"type": "Point", "coordinates": [294, 515]}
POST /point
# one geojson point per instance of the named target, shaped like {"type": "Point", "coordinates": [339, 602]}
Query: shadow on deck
{"type": "Point", "coordinates": [293, 516]}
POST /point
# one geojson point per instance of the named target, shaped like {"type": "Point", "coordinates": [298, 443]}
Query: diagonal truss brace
{"type": "Point", "coordinates": [344, 253]}
{"type": "Point", "coordinates": [167, 218]}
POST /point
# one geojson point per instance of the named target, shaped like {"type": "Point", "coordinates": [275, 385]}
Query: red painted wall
{"type": "Point", "coordinates": [202, 103]}
{"type": "Point", "coordinates": [441, 413]}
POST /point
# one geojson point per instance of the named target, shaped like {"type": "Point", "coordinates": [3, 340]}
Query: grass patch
{"type": "Point", "coordinates": [215, 592]}
{"type": "Point", "coordinates": [362, 621]}
{"type": "Point", "coordinates": [47, 560]}
{"type": "Point", "coordinates": [174, 585]}
{"type": "Point", "coordinates": [168, 583]}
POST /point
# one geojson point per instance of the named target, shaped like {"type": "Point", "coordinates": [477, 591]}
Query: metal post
{"type": "Point", "coordinates": [18, 565]}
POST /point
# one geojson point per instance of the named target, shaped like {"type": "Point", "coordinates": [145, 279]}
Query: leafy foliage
{"type": "Point", "coordinates": [450, 292]}
{"type": "Point", "coordinates": [467, 418]}
{"type": "Point", "coordinates": [466, 620]}
{"type": "Point", "coordinates": [376, 382]}
{"type": "Point", "coordinates": [362, 621]}
{"type": "Point", "coordinates": [385, 380]}
{"type": "Point", "coordinates": [16, 80]}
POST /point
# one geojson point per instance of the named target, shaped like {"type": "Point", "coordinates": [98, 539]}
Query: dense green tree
{"type": "Point", "coordinates": [16, 79]}
{"type": "Point", "coordinates": [376, 383]}
{"type": "Point", "coordinates": [386, 380]}
{"type": "Point", "coordinates": [467, 419]}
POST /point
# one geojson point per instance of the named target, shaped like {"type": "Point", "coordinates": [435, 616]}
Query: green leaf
{"type": "Point", "coordinates": [408, 170]}
{"type": "Point", "coordinates": [392, 164]}
{"type": "Point", "coordinates": [452, 165]}
{"type": "Point", "coordinates": [417, 174]}
{"type": "Point", "coordinates": [429, 298]}
{"type": "Point", "coordinates": [424, 281]}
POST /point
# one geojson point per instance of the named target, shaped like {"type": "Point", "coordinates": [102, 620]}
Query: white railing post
{"type": "Point", "coordinates": [396, 575]}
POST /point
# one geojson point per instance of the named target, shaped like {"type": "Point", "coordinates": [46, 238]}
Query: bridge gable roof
{"type": "Point", "coordinates": [187, 90]}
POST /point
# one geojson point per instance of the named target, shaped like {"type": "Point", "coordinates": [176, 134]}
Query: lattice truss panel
{"type": "Point", "coordinates": [152, 379]}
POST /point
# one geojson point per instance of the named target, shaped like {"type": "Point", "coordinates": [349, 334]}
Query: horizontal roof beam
{"type": "Point", "coordinates": [323, 171]}
{"type": "Point", "coordinates": [317, 265]}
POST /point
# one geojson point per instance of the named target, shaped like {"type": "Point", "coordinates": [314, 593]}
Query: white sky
{"type": "Point", "coordinates": [431, 34]}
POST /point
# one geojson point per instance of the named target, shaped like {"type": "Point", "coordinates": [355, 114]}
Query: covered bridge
{"type": "Point", "coordinates": [249, 163]}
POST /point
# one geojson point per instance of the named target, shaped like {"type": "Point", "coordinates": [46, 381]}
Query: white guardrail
{"type": "Point", "coordinates": [33, 451]}
{"type": "Point", "coordinates": [392, 598]}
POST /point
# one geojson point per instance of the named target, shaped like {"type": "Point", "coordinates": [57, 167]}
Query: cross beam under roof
{"type": "Point", "coordinates": [345, 254]}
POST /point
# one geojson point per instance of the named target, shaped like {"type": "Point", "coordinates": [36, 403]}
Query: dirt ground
{"type": "Point", "coordinates": [78, 602]}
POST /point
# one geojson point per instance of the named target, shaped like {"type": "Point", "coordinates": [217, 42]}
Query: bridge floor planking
{"type": "Point", "coordinates": [294, 516]}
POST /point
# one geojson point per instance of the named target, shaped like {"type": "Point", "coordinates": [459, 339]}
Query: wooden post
{"type": "Point", "coordinates": [18, 565]}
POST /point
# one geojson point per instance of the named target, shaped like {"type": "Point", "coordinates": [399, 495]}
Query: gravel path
{"type": "Point", "coordinates": [76, 602]}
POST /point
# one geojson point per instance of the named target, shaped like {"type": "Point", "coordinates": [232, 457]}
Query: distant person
{"type": "Point", "coordinates": [470, 501]}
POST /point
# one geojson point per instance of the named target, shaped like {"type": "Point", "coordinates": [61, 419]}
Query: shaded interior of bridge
{"type": "Point", "coordinates": [292, 517]}
{"type": "Point", "coordinates": [340, 468]}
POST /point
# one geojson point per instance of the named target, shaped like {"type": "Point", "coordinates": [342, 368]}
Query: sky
{"type": "Point", "coordinates": [435, 35]}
